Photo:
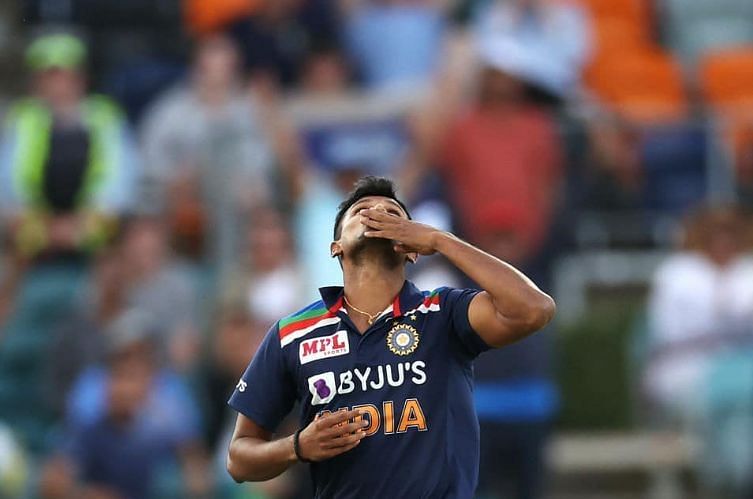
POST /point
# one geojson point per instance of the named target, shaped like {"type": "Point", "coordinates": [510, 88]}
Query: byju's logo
{"type": "Point", "coordinates": [322, 387]}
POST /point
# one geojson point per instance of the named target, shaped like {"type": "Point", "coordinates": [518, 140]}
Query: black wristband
{"type": "Point", "coordinates": [297, 446]}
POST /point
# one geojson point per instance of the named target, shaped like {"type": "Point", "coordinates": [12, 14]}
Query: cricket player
{"type": "Point", "coordinates": [382, 371]}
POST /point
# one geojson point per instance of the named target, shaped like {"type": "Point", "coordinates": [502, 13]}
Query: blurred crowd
{"type": "Point", "coordinates": [169, 172]}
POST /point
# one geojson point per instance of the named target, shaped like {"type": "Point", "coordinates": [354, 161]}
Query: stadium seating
{"type": "Point", "coordinates": [616, 34]}
{"type": "Point", "coordinates": [629, 71]}
{"type": "Point", "coordinates": [727, 85]}
{"type": "Point", "coordinates": [642, 85]}
{"type": "Point", "coordinates": [727, 78]}
{"type": "Point", "coordinates": [613, 37]}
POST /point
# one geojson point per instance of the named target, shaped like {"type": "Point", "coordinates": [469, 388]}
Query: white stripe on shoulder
{"type": "Point", "coordinates": [303, 332]}
{"type": "Point", "coordinates": [434, 307]}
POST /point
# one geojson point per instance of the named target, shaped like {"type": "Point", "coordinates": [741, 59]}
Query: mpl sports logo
{"type": "Point", "coordinates": [323, 347]}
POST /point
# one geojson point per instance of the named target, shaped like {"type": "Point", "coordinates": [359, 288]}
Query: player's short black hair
{"type": "Point", "coordinates": [364, 187]}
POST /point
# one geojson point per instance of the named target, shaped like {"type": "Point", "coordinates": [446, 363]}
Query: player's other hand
{"type": "Point", "coordinates": [409, 236]}
{"type": "Point", "coordinates": [331, 435]}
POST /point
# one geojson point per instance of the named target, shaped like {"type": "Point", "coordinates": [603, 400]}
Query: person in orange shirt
{"type": "Point", "coordinates": [502, 153]}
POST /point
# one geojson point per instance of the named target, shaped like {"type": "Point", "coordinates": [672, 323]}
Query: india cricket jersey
{"type": "Point", "coordinates": [410, 372]}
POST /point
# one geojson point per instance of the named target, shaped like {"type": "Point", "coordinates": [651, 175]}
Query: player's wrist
{"type": "Point", "coordinates": [290, 454]}
{"type": "Point", "coordinates": [298, 452]}
{"type": "Point", "coordinates": [440, 239]}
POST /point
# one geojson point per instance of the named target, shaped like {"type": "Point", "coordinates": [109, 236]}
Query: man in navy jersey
{"type": "Point", "coordinates": [382, 371]}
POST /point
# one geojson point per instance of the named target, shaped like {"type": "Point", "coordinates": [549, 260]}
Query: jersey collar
{"type": "Point", "coordinates": [408, 298]}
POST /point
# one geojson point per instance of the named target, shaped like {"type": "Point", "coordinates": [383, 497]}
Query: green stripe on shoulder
{"type": "Point", "coordinates": [307, 314]}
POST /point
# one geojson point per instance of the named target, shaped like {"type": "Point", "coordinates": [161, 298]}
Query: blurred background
{"type": "Point", "coordinates": [169, 175]}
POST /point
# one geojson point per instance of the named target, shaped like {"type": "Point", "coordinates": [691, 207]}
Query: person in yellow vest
{"type": "Point", "coordinates": [68, 164]}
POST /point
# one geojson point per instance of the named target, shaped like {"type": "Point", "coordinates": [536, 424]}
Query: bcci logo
{"type": "Point", "coordinates": [402, 339]}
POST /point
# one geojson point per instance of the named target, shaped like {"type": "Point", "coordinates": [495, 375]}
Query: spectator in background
{"type": "Point", "coordinates": [502, 153]}
{"type": "Point", "coordinates": [80, 339]}
{"type": "Point", "coordinates": [610, 180]}
{"type": "Point", "coordinates": [269, 268]}
{"type": "Point", "coordinates": [341, 126]}
{"type": "Point", "coordinates": [159, 284]}
{"type": "Point", "coordinates": [277, 36]}
{"type": "Point", "coordinates": [326, 80]}
{"type": "Point", "coordinates": [207, 152]}
{"type": "Point", "coordinates": [546, 42]}
{"type": "Point", "coordinates": [138, 272]}
{"type": "Point", "coordinates": [701, 305]}
{"type": "Point", "coordinates": [274, 270]}
{"type": "Point", "coordinates": [67, 161]}
{"type": "Point", "coordinates": [236, 335]}
{"type": "Point", "coordinates": [326, 72]}
{"type": "Point", "coordinates": [408, 58]}
{"type": "Point", "coordinates": [132, 425]}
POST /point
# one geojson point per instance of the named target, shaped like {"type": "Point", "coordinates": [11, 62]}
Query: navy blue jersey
{"type": "Point", "coordinates": [411, 372]}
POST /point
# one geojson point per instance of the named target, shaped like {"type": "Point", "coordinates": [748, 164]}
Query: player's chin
{"type": "Point", "coordinates": [378, 245]}
{"type": "Point", "coordinates": [362, 238]}
{"type": "Point", "coordinates": [375, 241]}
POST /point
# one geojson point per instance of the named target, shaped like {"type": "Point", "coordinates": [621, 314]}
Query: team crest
{"type": "Point", "coordinates": [402, 339]}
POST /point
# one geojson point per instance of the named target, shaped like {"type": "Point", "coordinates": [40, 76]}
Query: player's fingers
{"type": "Point", "coordinates": [340, 442]}
{"type": "Point", "coordinates": [336, 431]}
{"type": "Point", "coordinates": [370, 222]}
{"type": "Point", "coordinates": [338, 417]}
{"type": "Point", "coordinates": [394, 222]}
{"type": "Point", "coordinates": [380, 215]}
{"type": "Point", "coordinates": [344, 440]}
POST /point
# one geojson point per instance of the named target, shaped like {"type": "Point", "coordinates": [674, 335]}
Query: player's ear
{"type": "Point", "coordinates": [411, 257]}
{"type": "Point", "coordinates": [335, 249]}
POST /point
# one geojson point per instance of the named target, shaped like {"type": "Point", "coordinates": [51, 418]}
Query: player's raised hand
{"type": "Point", "coordinates": [332, 434]}
{"type": "Point", "coordinates": [409, 236]}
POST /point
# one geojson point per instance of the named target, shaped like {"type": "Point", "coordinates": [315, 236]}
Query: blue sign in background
{"type": "Point", "coordinates": [375, 146]}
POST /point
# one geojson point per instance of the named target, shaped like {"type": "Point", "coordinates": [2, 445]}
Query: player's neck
{"type": "Point", "coordinates": [371, 288]}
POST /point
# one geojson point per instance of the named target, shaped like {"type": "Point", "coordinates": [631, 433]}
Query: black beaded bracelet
{"type": "Point", "coordinates": [297, 447]}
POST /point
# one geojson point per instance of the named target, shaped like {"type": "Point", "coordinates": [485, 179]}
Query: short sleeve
{"type": "Point", "coordinates": [455, 303]}
{"type": "Point", "coordinates": [266, 391]}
